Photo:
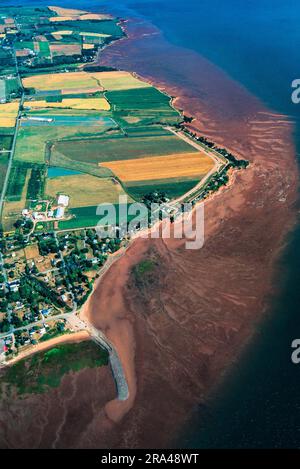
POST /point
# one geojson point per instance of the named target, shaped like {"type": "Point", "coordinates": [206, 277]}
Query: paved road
{"type": "Point", "coordinates": [37, 323]}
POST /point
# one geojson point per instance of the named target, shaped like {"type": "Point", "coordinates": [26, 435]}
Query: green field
{"type": "Point", "coordinates": [3, 168]}
{"type": "Point", "coordinates": [148, 105]}
{"type": "Point", "coordinates": [12, 86]}
{"type": "Point", "coordinates": [141, 99]}
{"type": "Point", "coordinates": [16, 182]}
{"type": "Point", "coordinates": [45, 370]}
{"type": "Point", "coordinates": [84, 217]}
{"type": "Point", "coordinates": [16, 200]}
{"type": "Point", "coordinates": [24, 45]}
{"type": "Point", "coordinates": [5, 142]}
{"type": "Point", "coordinates": [31, 141]}
{"type": "Point", "coordinates": [109, 27]}
{"type": "Point", "coordinates": [44, 49]}
{"type": "Point", "coordinates": [122, 148]}
{"type": "Point", "coordinates": [60, 160]}
{"type": "Point", "coordinates": [2, 89]}
{"type": "Point", "coordinates": [171, 188]}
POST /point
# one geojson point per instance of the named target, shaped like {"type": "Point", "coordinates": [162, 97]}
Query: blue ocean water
{"type": "Point", "coordinates": [257, 43]}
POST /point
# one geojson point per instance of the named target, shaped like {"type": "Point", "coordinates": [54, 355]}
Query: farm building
{"type": "Point", "coordinates": [63, 200]}
{"type": "Point", "coordinates": [59, 212]}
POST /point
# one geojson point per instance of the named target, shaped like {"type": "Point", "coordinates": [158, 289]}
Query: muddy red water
{"type": "Point", "coordinates": [179, 329]}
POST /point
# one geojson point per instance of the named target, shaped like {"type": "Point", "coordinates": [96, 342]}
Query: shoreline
{"type": "Point", "coordinates": [73, 337]}
{"type": "Point", "coordinates": [266, 292]}
{"type": "Point", "coordinates": [183, 341]}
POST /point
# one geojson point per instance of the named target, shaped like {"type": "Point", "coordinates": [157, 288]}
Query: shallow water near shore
{"type": "Point", "coordinates": [256, 44]}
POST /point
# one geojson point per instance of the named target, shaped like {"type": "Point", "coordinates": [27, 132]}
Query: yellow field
{"type": "Point", "coordinates": [88, 46]}
{"type": "Point", "coordinates": [96, 190]}
{"type": "Point", "coordinates": [83, 80]}
{"type": "Point", "coordinates": [67, 11]}
{"type": "Point", "coordinates": [113, 81]}
{"type": "Point", "coordinates": [59, 81]}
{"type": "Point", "coordinates": [95, 16]}
{"type": "Point", "coordinates": [55, 19]}
{"type": "Point", "coordinates": [76, 14]}
{"type": "Point", "coordinates": [62, 33]}
{"type": "Point", "coordinates": [93, 34]}
{"type": "Point", "coordinates": [161, 167]}
{"type": "Point", "coordinates": [98, 104]}
{"type": "Point", "coordinates": [8, 114]}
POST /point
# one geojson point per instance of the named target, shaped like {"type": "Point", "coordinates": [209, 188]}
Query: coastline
{"type": "Point", "coordinates": [129, 352]}
{"type": "Point", "coordinates": [158, 353]}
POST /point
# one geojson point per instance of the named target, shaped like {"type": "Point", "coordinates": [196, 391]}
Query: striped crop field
{"type": "Point", "coordinates": [111, 81]}
{"type": "Point", "coordinates": [185, 166]}
{"type": "Point", "coordinates": [62, 81]}
{"type": "Point", "coordinates": [97, 104]}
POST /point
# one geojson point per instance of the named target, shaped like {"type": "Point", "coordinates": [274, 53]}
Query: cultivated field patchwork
{"type": "Point", "coordinates": [181, 166]}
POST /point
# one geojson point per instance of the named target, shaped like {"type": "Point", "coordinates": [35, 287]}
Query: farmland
{"type": "Point", "coordinates": [62, 81]}
{"type": "Point", "coordinates": [15, 203]}
{"type": "Point", "coordinates": [106, 130]}
{"type": "Point", "coordinates": [184, 166]}
{"type": "Point", "coordinates": [3, 167]}
{"type": "Point", "coordinates": [120, 148]}
{"type": "Point", "coordinates": [8, 114]}
{"type": "Point", "coordinates": [33, 136]}
{"type": "Point", "coordinates": [99, 104]}
{"type": "Point", "coordinates": [96, 190]}
{"type": "Point", "coordinates": [98, 81]}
